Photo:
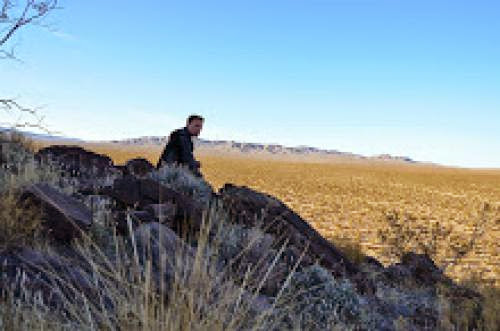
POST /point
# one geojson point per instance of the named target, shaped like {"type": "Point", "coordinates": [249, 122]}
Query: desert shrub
{"type": "Point", "coordinates": [18, 166]}
{"type": "Point", "coordinates": [182, 180]}
{"type": "Point", "coordinates": [20, 221]}
{"type": "Point", "coordinates": [490, 319]}
{"type": "Point", "coordinates": [404, 232]}
{"type": "Point", "coordinates": [408, 303]}
{"type": "Point", "coordinates": [468, 313]}
{"type": "Point", "coordinates": [351, 248]}
{"type": "Point", "coordinates": [321, 302]}
{"type": "Point", "coordinates": [235, 240]}
{"type": "Point", "coordinates": [402, 235]}
{"type": "Point", "coordinates": [102, 229]}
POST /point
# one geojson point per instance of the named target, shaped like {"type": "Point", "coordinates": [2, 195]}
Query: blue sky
{"type": "Point", "coordinates": [416, 78]}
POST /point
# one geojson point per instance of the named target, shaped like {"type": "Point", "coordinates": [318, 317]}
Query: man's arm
{"type": "Point", "coordinates": [186, 154]}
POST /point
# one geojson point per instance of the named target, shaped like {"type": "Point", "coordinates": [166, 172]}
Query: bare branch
{"type": "Point", "coordinates": [12, 106]}
{"type": "Point", "coordinates": [5, 7]}
{"type": "Point", "coordinates": [9, 55]}
{"type": "Point", "coordinates": [32, 12]}
{"type": "Point", "coordinates": [14, 16]}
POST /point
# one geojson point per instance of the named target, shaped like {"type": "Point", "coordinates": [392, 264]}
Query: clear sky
{"type": "Point", "coordinates": [410, 77]}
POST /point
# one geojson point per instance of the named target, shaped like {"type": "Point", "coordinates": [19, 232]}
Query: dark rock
{"type": "Point", "coordinates": [130, 191]}
{"type": "Point", "coordinates": [252, 208]}
{"type": "Point", "coordinates": [166, 252]}
{"type": "Point", "coordinates": [25, 271]}
{"type": "Point", "coordinates": [121, 168]}
{"type": "Point", "coordinates": [139, 167]}
{"type": "Point", "coordinates": [154, 240]}
{"type": "Point", "coordinates": [171, 257]}
{"type": "Point", "coordinates": [373, 262]}
{"type": "Point", "coordinates": [164, 212]}
{"type": "Point", "coordinates": [137, 217]}
{"type": "Point", "coordinates": [415, 282]}
{"type": "Point", "coordinates": [416, 267]}
{"type": "Point", "coordinates": [76, 160]}
{"type": "Point", "coordinates": [64, 216]}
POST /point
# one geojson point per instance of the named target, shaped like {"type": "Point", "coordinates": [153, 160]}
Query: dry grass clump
{"type": "Point", "coordinates": [490, 319]}
{"type": "Point", "coordinates": [181, 179]}
{"type": "Point", "coordinates": [143, 285]}
{"type": "Point", "coordinates": [18, 167]}
{"type": "Point", "coordinates": [20, 219]}
{"type": "Point", "coordinates": [460, 315]}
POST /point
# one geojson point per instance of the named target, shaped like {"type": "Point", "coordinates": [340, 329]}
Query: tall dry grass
{"type": "Point", "coordinates": [20, 219]}
{"type": "Point", "coordinates": [132, 294]}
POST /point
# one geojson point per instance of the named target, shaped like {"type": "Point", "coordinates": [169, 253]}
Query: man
{"type": "Point", "coordinates": [179, 149]}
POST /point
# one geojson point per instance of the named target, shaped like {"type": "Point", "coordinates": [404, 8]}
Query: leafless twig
{"type": "Point", "coordinates": [12, 106]}
{"type": "Point", "coordinates": [13, 16]}
{"type": "Point", "coordinates": [32, 12]}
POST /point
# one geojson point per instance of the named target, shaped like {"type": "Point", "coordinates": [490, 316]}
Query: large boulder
{"type": "Point", "coordinates": [164, 212]}
{"type": "Point", "coordinates": [254, 209]}
{"type": "Point", "coordinates": [160, 245]}
{"type": "Point", "coordinates": [64, 216]}
{"type": "Point", "coordinates": [417, 268]}
{"type": "Point", "coordinates": [139, 167]}
{"type": "Point", "coordinates": [25, 272]}
{"type": "Point", "coordinates": [141, 193]}
{"type": "Point", "coordinates": [76, 160]}
{"type": "Point", "coordinates": [136, 218]}
{"type": "Point", "coordinates": [172, 260]}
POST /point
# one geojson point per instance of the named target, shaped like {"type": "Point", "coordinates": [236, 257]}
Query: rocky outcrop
{"type": "Point", "coordinates": [139, 167]}
{"type": "Point", "coordinates": [255, 209]}
{"type": "Point", "coordinates": [64, 216]}
{"type": "Point", "coordinates": [418, 268]}
{"type": "Point", "coordinates": [172, 259]}
{"type": "Point", "coordinates": [53, 277]}
{"type": "Point", "coordinates": [261, 242]}
{"type": "Point", "coordinates": [75, 160]}
{"type": "Point", "coordinates": [146, 194]}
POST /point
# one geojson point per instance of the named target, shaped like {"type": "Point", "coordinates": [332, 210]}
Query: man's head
{"type": "Point", "coordinates": [194, 124]}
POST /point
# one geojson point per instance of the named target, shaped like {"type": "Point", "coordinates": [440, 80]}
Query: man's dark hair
{"type": "Point", "coordinates": [195, 117]}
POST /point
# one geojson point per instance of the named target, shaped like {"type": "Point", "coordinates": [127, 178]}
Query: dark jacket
{"type": "Point", "coordinates": [179, 149]}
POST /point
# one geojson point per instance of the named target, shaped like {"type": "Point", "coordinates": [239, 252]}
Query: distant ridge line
{"type": "Point", "coordinates": [249, 148]}
{"type": "Point", "coordinates": [225, 145]}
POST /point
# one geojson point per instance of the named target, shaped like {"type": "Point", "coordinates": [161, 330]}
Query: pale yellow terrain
{"type": "Point", "coordinates": [351, 202]}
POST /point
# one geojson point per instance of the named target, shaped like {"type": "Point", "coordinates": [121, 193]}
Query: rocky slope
{"type": "Point", "coordinates": [286, 271]}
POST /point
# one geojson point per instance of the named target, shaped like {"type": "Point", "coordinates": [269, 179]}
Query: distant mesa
{"type": "Point", "coordinates": [256, 148]}
{"type": "Point", "coordinates": [389, 157]}
{"type": "Point", "coordinates": [240, 146]}
{"type": "Point", "coordinates": [234, 146]}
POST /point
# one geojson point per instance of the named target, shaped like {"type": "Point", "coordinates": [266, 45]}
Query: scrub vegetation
{"type": "Point", "coordinates": [372, 209]}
